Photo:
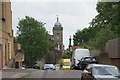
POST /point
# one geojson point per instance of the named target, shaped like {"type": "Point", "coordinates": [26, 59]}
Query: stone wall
{"type": "Point", "coordinates": [101, 57]}
{"type": "Point", "coordinates": [1, 57]}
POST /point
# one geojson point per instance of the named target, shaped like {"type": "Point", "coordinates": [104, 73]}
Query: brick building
{"type": "Point", "coordinates": [6, 34]}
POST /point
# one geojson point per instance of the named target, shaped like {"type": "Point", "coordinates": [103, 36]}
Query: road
{"type": "Point", "coordinates": [56, 74]}
{"type": "Point", "coordinates": [32, 74]}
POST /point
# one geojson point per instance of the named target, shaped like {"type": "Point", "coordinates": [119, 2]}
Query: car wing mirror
{"type": "Point", "coordinates": [85, 71]}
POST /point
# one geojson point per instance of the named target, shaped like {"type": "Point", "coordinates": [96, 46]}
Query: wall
{"type": "Point", "coordinates": [7, 33]}
{"type": "Point", "coordinates": [113, 50]}
{"type": "Point", "coordinates": [1, 58]}
{"type": "Point", "coordinates": [0, 22]}
{"type": "Point", "coordinates": [101, 57]}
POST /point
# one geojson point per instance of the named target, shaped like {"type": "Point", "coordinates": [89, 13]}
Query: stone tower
{"type": "Point", "coordinates": [58, 36]}
{"type": "Point", "coordinates": [57, 44]}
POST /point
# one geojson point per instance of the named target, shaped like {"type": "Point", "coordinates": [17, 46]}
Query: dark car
{"type": "Point", "coordinates": [36, 66]}
{"type": "Point", "coordinates": [24, 66]}
{"type": "Point", "coordinates": [100, 72]}
{"type": "Point", "coordinates": [85, 61]}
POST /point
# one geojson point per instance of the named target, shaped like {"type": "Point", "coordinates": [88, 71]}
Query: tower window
{"type": "Point", "coordinates": [58, 35]}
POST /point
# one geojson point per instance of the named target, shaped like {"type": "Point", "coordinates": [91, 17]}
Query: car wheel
{"type": "Point", "coordinates": [82, 78]}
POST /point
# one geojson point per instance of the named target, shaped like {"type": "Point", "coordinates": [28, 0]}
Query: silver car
{"type": "Point", "coordinates": [100, 72]}
{"type": "Point", "coordinates": [57, 66]}
{"type": "Point", "coordinates": [49, 67]}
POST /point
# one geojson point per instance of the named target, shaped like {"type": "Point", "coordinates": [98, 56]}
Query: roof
{"type": "Point", "coordinates": [99, 65]}
{"type": "Point", "coordinates": [57, 24]}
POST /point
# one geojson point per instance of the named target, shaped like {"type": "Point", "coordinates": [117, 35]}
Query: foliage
{"type": "Point", "coordinates": [82, 36]}
{"type": "Point", "coordinates": [105, 26]}
{"type": "Point", "coordinates": [108, 16]}
{"type": "Point", "coordinates": [100, 39]}
{"type": "Point", "coordinates": [67, 55]}
{"type": "Point", "coordinates": [34, 39]}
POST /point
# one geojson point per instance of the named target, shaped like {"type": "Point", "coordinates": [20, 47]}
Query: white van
{"type": "Point", "coordinates": [78, 54]}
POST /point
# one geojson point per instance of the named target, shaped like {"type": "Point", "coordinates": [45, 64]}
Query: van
{"type": "Point", "coordinates": [65, 64]}
{"type": "Point", "coordinates": [78, 54]}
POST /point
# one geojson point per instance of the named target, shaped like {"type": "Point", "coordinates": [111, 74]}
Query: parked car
{"type": "Point", "coordinates": [85, 61]}
{"type": "Point", "coordinates": [57, 66]}
{"type": "Point", "coordinates": [100, 72]}
{"type": "Point", "coordinates": [24, 66]}
{"type": "Point", "coordinates": [49, 67]}
{"type": "Point", "coordinates": [36, 66]}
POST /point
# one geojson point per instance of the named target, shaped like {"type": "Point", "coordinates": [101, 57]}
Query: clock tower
{"type": "Point", "coordinates": [58, 36]}
{"type": "Point", "coordinates": [57, 43]}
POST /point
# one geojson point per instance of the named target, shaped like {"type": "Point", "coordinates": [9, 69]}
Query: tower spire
{"type": "Point", "coordinates": [57, 18]}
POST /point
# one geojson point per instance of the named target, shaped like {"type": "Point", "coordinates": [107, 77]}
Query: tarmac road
{"type": "Point", "coordinates": [34, 74]}
{"type": "Point", "coordinates": [56, 74]}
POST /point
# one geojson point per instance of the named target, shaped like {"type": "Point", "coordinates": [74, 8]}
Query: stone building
{"type": "Point", "coordinates": [6, 34]}
{"type": "Point", "coordinates": [57, 43]}
{"type": "Point", "coordinates": [19, 56]}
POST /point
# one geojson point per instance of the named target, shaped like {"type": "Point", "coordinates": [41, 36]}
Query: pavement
{"type": "Point", "coordinates": [16, 73]}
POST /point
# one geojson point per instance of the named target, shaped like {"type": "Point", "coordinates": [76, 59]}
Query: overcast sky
{"type": "Point", "coordinates": [72, 15]}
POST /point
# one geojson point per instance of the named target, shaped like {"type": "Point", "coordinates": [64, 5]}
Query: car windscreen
{"type": "Point", "coordinates": [89, 59]}
{"type": "Point", "coordinates": [67, 64]}
{"type": "Point", "coordinates": [105, 71]}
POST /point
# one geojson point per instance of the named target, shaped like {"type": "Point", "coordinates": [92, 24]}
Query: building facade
{"type": "Point", "coordinates": [19, 56]}
{"type": "Point", "coordinates": [6, 34]}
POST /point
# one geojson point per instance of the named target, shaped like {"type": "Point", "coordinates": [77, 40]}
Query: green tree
{"type": "Point", "coordinates": [34, 39]}
{"type": "Point", "coordinates": [100, 39]}
{"type": "Point", "coordinates": [83, 36]}
{"type": "Point", "coordinates": [105, 26]}
{"type": "Point", "coordinates": [108, 16]}
{"type": "Point", "coordinates": [67, 55]}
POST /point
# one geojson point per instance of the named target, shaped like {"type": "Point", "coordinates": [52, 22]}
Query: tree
{"type": "Point", "coordinates": [34, 39]}
{"type": "Point", "coordinates": [100, 39]}
{"type": "Point", "coordinates": [105, 26]}
{"type": "Point", "coordinates": [108, 16]}
{"type": "Point", "coordinates": [83, 36]}
{"type": "Point", "coordinates": [67, 55]}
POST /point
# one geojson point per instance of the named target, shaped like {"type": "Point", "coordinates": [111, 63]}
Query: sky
{"type": "Point", "coordinates": [73, 15]}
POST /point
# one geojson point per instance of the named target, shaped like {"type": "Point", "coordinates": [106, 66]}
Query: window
{"type": "Point", "coordinates": [105, 71]}
{"type": "Point", "coordinates": [58, 35]}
